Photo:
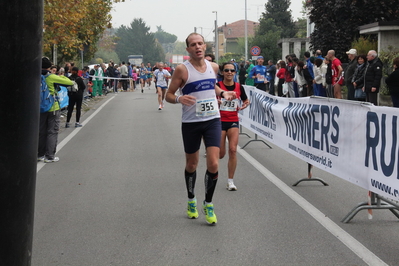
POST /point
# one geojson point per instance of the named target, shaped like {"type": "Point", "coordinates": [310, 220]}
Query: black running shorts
{"type": "Point", "coordinates": [192, 133]}
{"type": "Point", "coordinates": [227, 125]}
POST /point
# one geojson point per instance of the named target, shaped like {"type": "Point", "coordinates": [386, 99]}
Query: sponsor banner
{"type": "Point", "coordinates": [355, 141]}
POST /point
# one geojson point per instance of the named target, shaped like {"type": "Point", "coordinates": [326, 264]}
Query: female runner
{"type": "Point", "coordinates": [229, 117]}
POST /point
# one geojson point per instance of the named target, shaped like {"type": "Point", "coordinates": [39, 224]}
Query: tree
{"type": "Point", "coordinates": [164, 37]}
{"type": "Point", "coordinates": [266, 37]}
{"type": "Point", "coordinates": [279, 11]}
{"type": "Point", "coordinates": [337, 21]}
{"type": "Point", "coordinates": [108, 40]}
{"type": "Point", "coordinates": [301, 23]}
{"type": "Point", "coordinates": [167, 41]}
{"type": "Point", "coordinates": [241, 46]}
{"type": "Point", "coordinates": [137, 39]}
{"type": "Point", "coordinates": [72, 26]}
{"type": "Point", "coordinates": [180, 48]}
{"type": "Point", "coordinates": [276, 23]}
{"type": "Point", "coordinates": [105, 55]}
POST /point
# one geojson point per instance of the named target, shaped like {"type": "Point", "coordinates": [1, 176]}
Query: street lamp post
{"type": "Point", "coordinates": [246, 33]}
{"type": "Point", "coordinates": [216, 38]}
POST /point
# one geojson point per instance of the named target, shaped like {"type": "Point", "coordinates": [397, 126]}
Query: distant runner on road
{"type": "Point", "coordinates": [143, 76]}
{"type": "Point", "coordinates": [161, 76]}
{"type": "Point", "coordinates": [149, 75]}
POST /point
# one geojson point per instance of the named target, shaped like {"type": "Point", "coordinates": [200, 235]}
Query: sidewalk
{"type": "Point", "coordinates": [87, 105]}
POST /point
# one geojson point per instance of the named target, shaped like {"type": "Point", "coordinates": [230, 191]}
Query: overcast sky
{"type": "Point", "coordinates": [179, 17]}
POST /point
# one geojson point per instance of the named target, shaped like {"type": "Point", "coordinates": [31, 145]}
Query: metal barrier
{"type": "Point", "coordinates": [310, 177]}
{"type": "Point", "coordinates": [376, 203]}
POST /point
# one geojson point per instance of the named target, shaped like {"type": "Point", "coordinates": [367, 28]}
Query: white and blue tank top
{"type": "Point", "coordinates": [202, 87]}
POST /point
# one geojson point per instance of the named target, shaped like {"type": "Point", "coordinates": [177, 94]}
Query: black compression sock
{"type": "Point", "coordinates": [190, 183]}
{"type": "Point", "coordinates": [210, 184]}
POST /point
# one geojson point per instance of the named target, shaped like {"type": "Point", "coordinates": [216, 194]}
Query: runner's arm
{"type": "Point", "coordinates": [340, 69]}
{"type": "Point", "coordinates": [61, 80]}
{"type": "Point", "coordinates": [178, 80]}
{"type": "Point", "coordinates": [228, 95]}
{"type": "Point", "coordinates": [244, 98]}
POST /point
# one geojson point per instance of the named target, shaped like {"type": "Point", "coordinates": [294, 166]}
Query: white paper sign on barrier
{"type": "Point", "coordinates": [355, 141]}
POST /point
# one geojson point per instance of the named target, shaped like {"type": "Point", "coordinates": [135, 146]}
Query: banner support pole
{"type": "Point", "coordinates": [242, 133]}
{"type": "Point", "coordinates": [256, 139]}
{"type": "Point", "coordinates": [377, 203]}
{"type": "Point", "coordinates": [310, 177]}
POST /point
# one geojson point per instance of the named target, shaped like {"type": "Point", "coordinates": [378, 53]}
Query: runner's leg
{"type": "Point", "coordinates": [232, 136]}
{"type": "Point", "coordinates": [159, 92]}
{"type": "Point", "coordinates": [211, 176]}
{"type": "Point", "coordinates": [337, 91]}
{"type": "Point", "coordinates": [222, 151]}
{"type": "Point", "coordinates": [163, 95]}
{"type": "Point", "coordinates": [191, 173]}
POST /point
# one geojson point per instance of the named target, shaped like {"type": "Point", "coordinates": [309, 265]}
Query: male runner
{"type": "Point", "coordinates": [143, 76]}
{"type": "Point", "coordinates": [196, 79]}
{"type": "Point", "coordinates": [161, 77]}
{"type": "Point", "coordinates": [149, 75]}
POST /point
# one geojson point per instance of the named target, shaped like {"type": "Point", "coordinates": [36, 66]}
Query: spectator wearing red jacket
{"type": "Point", "coordinates": [281, 77]}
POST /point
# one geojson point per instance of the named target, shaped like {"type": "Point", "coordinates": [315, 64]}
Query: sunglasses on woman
{"type": "Point", "coordinates": [229, 70]}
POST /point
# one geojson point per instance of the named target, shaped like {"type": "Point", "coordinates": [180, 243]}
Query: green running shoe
{"type": "Point", "coordinates": [209, 213]}
{"type": "Point", "coordinates": [192, 212]}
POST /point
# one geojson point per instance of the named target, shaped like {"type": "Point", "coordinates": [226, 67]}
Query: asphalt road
{"type": "Point", "coordinates": [117, 197]}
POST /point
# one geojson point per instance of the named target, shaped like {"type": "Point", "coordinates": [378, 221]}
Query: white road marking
{"type": "Point", "coordinates": [40, 165]}
{"type": "Point", "coordinates": [358, 248]}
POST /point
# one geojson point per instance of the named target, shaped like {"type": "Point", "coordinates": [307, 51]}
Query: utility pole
{"type": "Point", "coordinates": [21, 48]}
{"type": "Point", "coordinates": [246, 33]}
{"type": "Point", "coordinates": [216, 38]}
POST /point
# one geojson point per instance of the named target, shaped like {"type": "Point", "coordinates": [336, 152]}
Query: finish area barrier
{"type": "Point", "coordinates": [355, 141]}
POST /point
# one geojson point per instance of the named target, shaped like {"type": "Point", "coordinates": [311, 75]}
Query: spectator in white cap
{"type": "Point", "coordinates": [372, 77]}
{"type": "Point", "coordinates": [349, 71]}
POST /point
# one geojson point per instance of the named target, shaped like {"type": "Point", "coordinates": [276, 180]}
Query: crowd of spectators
{"type": "Point", "coordinates": [314, 75]}
{"type": "Point", "coordinates": [323, 76]}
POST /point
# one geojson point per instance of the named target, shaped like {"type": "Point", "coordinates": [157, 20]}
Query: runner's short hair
{"type": "Point", "coordinates": [191, 34]}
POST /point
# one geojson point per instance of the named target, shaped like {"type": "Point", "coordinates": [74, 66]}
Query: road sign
{"type": "Point", "coordinates": [255, 50]}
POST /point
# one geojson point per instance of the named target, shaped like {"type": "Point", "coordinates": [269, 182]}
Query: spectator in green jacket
{"type": "Point", "coordinates": [249, 81]}
{"type": "Point", "coordinates": [50, 121]}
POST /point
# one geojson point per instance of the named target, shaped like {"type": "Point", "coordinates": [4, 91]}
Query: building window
{"type": "Point", "coordinates": [229, 32]}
